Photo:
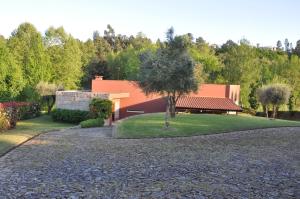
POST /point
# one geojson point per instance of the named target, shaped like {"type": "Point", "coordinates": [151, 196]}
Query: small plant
{"type": "Point", "coordinates": [101, 108]}
{"type": "Point", "coordinates": [98, 122]}
{"type": "Point", "coordinates": [70, 116]}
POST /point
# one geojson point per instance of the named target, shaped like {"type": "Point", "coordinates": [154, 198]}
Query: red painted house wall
{"type": "Point", "coordinates": [137, 100]}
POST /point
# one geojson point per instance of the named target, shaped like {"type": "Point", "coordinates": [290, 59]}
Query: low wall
{"type": "Point", "coordinates": [77, 100]}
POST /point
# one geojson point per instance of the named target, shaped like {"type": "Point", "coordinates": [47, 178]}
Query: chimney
{"type": "Point", "coordinates": [98, 77]}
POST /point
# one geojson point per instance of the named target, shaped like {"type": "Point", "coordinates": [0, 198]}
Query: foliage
{"type": "Point", "coordinates": [65, 57]}
{"type": "Point", "coordinates": [240, 67]}
{"type": "Point", "coordinates": [26, 45]}
{"type": "Point", "coordinates": [291, 103]}
{"type": "Point", "coordinates": [9, 117]}
{"type": "Point", "coordinates": [98, 122]}
{"type": "Point", "coordinates": [169, 71]}
{"type": "Point", "coordinates": [28, 57]}
{"type": "Point", "coordinates": [30, 111]}
{"type": "Point", "coordinates": [124, 65]}
{"type": "Point", "coordinates": [253, 102]}
{"type": "Point", "coordinates": [11, 81]}
{"type": "Point", "coordinates": [101, 108]}
{"type": "Point", "coordinates": [45, 88]}
{"type": "Point", "coordinates": [28, 94]}
{"type": "Point", "coordinates": [4, 120]}
{"type": "Point", "coordinates": [274, 95]}
{"type": "Point", "coordinates": [69, 116]}
{"type": "Point", "coordinates": [208, 65]}
{"type": "Point", "coordinates": [47, 92]}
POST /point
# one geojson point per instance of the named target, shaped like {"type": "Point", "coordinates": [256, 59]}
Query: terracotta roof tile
{"type": "Point", "coordinates": [207, 103]}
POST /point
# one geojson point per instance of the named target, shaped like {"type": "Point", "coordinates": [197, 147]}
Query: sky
{"type": "Point", "coordinates": [260, 21]}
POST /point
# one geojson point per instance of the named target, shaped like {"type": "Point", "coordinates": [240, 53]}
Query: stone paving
{"type": "Point", "coordinates": [88, 163]}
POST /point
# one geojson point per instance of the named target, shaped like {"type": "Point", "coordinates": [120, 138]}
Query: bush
{"type": "Point", "coordinates": [14, 111]}
{"type": "Point", "coordinates": [30, 111]}
{"type": "Point", "coordinates": [4, 120]}
{"type": "Point", "coordinates": [70, 116]}
{"type": "Point", "coordinates": [101, 108]}
{"type": "Point", "coordinates": [249, 111]}
{"type": "Point", "coordinates": [98, 122]}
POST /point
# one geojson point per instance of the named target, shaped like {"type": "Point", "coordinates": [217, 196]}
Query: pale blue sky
{"type": "Point", "coordinates": [260, 21]}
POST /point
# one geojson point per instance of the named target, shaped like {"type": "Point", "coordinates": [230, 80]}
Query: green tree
{"type": "Point", "coordinates": [65, 56]}
{"type": "Point", "coordinates": [274, 95]}
{"type": "Point", "coordinates": [241, 66]}
{"type": "Point", "coordinates": [297, 48]}
{"type": "Point", "coordinates": [279, 45]}
{"type": "Point", "coordinates": [169, 71]}
{"type": "Point", "coordinates": [26, 45]}
{"type": "Point", "coordinates": [47, 92]}
{"type": "Point", "coordinates": [207, 63]}
{"type": "Point", "coordinates": [124, 65]}
{"type": "Point", "coordinates": [11, 80]}
{"type": "Point", "coordinates": [253, 102]}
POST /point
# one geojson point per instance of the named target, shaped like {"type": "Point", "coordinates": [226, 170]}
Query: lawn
{"type": "Point", "coordinates": [151, 125]}
{"type": "Point", "coordinates": [27, 129]}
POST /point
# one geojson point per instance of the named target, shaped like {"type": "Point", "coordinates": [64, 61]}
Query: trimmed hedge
{"type": "Point", "coordinates": [69, 116]}
{"type": "Point", "coordinates": [98, 122]}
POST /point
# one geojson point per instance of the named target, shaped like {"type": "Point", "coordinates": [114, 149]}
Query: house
{"type": "Point", "coordinates": [210, 97]}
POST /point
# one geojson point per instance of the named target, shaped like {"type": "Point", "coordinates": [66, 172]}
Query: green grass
{"type": "Point", "coordinates": [27, 129]}
{"type": "Point", "coordinates": [152, 125]}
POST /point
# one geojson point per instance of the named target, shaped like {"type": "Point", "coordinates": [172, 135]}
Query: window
{"type": "Point", "coordinates": [134, 111]}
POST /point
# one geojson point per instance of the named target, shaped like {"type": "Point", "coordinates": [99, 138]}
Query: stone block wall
{"type": "Point", "coordinates": [77, 100]}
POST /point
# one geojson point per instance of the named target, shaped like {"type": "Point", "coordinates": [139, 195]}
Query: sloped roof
{"type": "Point", "coordinates": [207, 103]}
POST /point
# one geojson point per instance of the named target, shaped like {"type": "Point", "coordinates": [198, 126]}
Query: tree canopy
{"type": "Point", "coordinates": [29, 56]}
{"type": "Point", "coordinates": [169, 71]}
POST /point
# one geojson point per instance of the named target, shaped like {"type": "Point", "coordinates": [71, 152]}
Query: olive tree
{"type": "Point", "coordinates": [47, 91]}
{"type": "Point", "coordinates": [168, 71]}
{"type": "Point", "coordinates": [273, 95]}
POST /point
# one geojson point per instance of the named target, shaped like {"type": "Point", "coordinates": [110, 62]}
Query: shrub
{"type": "Point", "coordinates": [98, 122]}
{"type": "Point", "coordinates": [249, 111]}
{"type": "Point", "coordinates": [4, 120]}
{"type": "Point", "coordinates": [101, 108]}
{"type": "Point", "coordinates": [12, 112]}
{"type": "Point", "coordinates": [30, 111]}
{"type": "Point", "coordinates": [70, 116]}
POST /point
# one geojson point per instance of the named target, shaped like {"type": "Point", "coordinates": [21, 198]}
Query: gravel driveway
{"type": "Point", "coordinates": [79, 163]}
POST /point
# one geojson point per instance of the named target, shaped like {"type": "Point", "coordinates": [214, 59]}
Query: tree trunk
{"type": "Point", "coordinates": [167, 123]}
{"type": "Point", "coordinates": [50, 103]}
{"type": "Point", "coordinates": [274, 111]}
{"type": "Point", "coordinates": [267, 111]}
{"type": "Point", "coordinates": [172, 107]}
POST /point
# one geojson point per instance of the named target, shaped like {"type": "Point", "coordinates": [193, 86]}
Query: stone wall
{"type": "Point", "coordinates": [77, 100]}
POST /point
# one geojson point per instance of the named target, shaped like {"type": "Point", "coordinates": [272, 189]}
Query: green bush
{"type": "Point", "coordinates": [69, 116]}
{"type": "Point", "coordinates": [101, 108]}
{"type": "Point", "coordinates": [98, 122]}
{"type": "Point", "coordinates": [31, 111]}
{"type": "Point", "coordinates": [4, 120]}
